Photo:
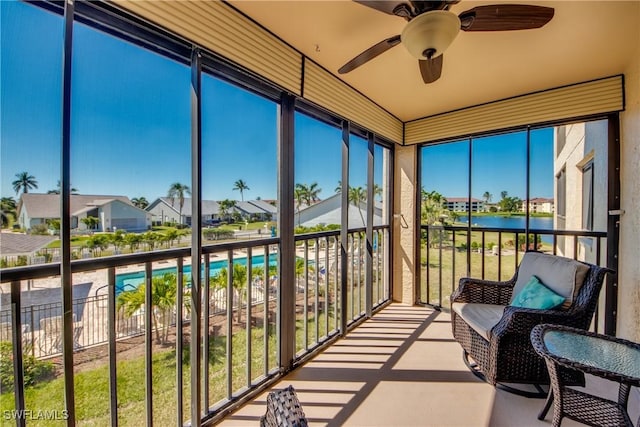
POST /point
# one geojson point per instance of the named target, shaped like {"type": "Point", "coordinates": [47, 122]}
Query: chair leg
{"type": "Point", "coordinates": [547, 406]}
{"type": "Point", "coordinates": [540, 393]}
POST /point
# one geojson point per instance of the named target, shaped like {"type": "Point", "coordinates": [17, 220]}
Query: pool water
{"type": "Point", "coordinates": [131, 281]}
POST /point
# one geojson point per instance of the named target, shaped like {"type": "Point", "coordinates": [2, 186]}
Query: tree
{"type": "Point", "coordinates": [164, 290]}
{"type": "Point", "coordinates": [97, 243]}
{"type": "Point", "coordinates": [91, 222]}
{"type": "Point", "coordinates": [178, 191]}
{"type": "Point", "coordinates": [432, 211]}
{"type": "Point", "coordinates": [140, 202]}
{"type": "Point", "coordinates": [239, 283]}
{"type": "Point", "coordinates": [133, 240]}
{"type": "Point", "coordinates": [171, 236]}
{"type": "Point", "coordinates": [57, 189]}
{"type": "Point", "coordinates": [24, 182]}
{"type": "Point", "coordinates": [357, 196]}
{"type": "Point", "coordinates": [225, 206]}
{"type": "Point", "coordinates": [241, 186]}
{"type": "Point", "coordinates": [510, 204]}
{"type": "Point", "coordinates": [311, 193]}
{"type": "Point", "coordinates": [118, 239]}
{"type": "Point", "coordinates": [487, 197]}
{"type": "Point", "coordinates": [299, 197]}
{"type": "Point", "coordinates": [8, 210]}
{"type": "Point", "coordinates": [338, 188]}
{"type": "Point", "coordinates": [503, 194]}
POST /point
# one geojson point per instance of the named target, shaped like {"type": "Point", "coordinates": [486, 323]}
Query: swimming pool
{"type": "Point", "coordinates": [130, 281]}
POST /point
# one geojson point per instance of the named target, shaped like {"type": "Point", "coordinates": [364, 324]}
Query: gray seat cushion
{"type": "Point", "coordinates": [562, 275]}
{"type": "Point", "coordinates": [481, 317]}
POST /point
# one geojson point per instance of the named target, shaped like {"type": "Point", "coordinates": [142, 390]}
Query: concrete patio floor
{"type": "Point", "coordinates": [403, 368]}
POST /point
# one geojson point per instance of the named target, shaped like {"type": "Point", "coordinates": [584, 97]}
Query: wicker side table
{"type": "Point", "coordinates": [607, 357]}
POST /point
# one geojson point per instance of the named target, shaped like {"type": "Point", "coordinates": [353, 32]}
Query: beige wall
{"type": "Point", "coordinates": [629, 271]}
{"type": "Point", "coordinates": [404, 227]}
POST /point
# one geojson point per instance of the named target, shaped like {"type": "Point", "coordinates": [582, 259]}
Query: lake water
{"type": "Point", "coordinates": [535, 223]}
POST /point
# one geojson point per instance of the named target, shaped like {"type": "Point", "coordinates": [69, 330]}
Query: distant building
{"type": "Point", "coordinates": [165, 209]}
{"type": "Point", "coordinates": [461, 204]}
{"type": "Point", "coordinates": [113, 212]}
{"type": "Point", "coordinates": [329, 211]}
{"type": "Point", "coordinates": [581, 186]}
{"type": "Point", "coordinates": [539, 205]}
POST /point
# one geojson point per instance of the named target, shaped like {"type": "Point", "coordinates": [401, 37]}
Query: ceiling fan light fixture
{"type": "Point", "coordinates": [428, 35]}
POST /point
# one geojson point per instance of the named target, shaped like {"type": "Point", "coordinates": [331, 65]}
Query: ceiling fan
{"type": "Point", "coordinates": [431, 28]}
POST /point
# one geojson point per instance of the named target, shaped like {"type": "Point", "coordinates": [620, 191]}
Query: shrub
{"type": "Point", "coordinates": [490, 245]}
{"type": "Point", "coordinates": [34, 370]}
{"type": "Point", "coordinates": [40, 229]}
{"type": "Point", "coordinates": [474, 245]}
{"type": "Point", "coordinates": [217, 234]}
{"type": "Point", "coordinates": [21, 260]}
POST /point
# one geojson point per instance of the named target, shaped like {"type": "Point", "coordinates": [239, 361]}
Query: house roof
{"type": "Point", "coordinates": [48, 205]}
{"type": "Point", "coordinates": [329, 211]}
{"type": "Point", "coordinates": [209, 207]}
{"type": "Point", "coordinates": [249, 208]}
{"type": "Point", "coordinates": [265, 206]}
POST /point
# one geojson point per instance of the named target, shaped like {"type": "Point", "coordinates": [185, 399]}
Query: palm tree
{"type": "Point", "coordinates": [312, 191]}
{"type": "Point", "coordinates": [241, 186]}
{"type": "Point", "coordinates": [24, 182]}
{"type": "Point", "coordinates": [57, 189]}
{"type": "Point", "coordinates": [239, 281]}
{"type": "Point", "coordinates": [178, 191]}
{"type": "Point", "coordinates": [487, 197]}
{"type": "Point", "coordinates": [225, 206]}
{"type": "Point", "coordinates": [357, 196]}
{"type": "Point", "coordinates": [163, 297]}
{"type": "Point", "coordinates": [299, 197]}
{"type": "Point", "coordinates": [140, 202]}
{"type": "Point", "coordinates": [8, 210]}
{"type": "Point", "coordinates": [503, 194]}
{"type": "Point", "coordinates": [338, 189]}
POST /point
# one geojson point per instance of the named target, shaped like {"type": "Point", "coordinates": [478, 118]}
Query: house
{"type": "Point", "coordinates": [461, 204]}
{"type": "Point", "coordinates": [539, 205]}
{"type": "Point", "coordinates": [251, 211]}
{"type": "Point", "coordinates": [167, 209]}
{"type": "Point", "coordinates": [329, 211]}
{"type": "Point", "coordinates": [113, 212]}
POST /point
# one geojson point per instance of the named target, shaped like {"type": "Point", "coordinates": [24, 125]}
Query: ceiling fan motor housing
{"type": "Point", "coordinates": [428, 35]}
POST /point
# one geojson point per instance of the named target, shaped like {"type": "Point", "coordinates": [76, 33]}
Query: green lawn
{"type": "Point", "coordinates": [92, 386]}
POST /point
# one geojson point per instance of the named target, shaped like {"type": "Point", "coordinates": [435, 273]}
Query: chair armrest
{"type": "Point", "coordinates": [518, 320]}
{"type": "Point", "coordinates": [472, 290]}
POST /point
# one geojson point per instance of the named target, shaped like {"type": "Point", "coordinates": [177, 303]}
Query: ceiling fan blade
{"type": "Point", "coordinates": [505, 17]}
{"type": "Point", "coordinates": [430, 69]}
{"type": "Point", "coordinates": [369, 54]}
{"type": "Point", "coordinates": [381, 5]}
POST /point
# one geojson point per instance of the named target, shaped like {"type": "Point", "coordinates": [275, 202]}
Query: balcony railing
{"type": "Point", "coordinates": [449, 253]}
{"type": "Point", "coordinates": [136, 361]}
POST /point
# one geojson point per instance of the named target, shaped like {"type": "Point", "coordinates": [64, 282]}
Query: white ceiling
{"type": "Point", "coordinates": [585, 40]}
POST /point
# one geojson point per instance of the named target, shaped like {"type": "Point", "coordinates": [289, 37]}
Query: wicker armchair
{"type": "Point", "coordinates": [503, 352]}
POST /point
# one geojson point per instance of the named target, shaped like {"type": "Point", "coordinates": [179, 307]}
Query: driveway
{"type": "Point", "coordinates": [15, 243]}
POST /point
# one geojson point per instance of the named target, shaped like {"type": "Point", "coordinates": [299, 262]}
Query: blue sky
{"type": "Point", "coordinates": [131, 126]}
{"type": "Point", "coordinates": [131, 120]}
{"type": "Point", "coordinates": [499, 164]}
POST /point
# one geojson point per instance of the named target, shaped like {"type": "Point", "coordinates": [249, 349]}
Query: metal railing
{"type": "Point", "coordinates": [449, 253]}
{"type": "Point", "coordinates": [240, 311]}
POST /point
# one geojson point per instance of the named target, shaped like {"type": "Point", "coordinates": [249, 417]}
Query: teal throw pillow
{"type": "Point", "coordinates": [536, 295]}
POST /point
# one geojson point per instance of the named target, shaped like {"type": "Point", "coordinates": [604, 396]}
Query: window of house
{"type": "Point", "coordinates": [561, 185]}
{"type": "Point", "coordinates": [587, 196]}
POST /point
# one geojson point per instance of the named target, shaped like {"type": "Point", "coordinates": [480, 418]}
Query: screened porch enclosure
{"type": "Point", "coordinates": [376, 211]}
